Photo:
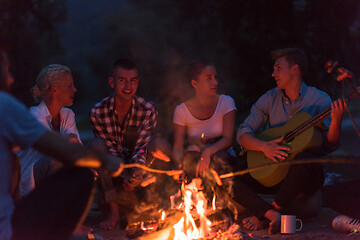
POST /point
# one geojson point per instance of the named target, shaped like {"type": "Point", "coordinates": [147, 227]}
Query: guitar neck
{"type": "Point", "coordinates": [308, 124]}
{"type": "Point", "coordinates": [314, 120]}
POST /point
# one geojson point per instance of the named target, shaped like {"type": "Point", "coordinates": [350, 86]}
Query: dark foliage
{"type": "Point", "coordinates": [164, 36]}
{"type": "Point", "coordinates": [29, 28]}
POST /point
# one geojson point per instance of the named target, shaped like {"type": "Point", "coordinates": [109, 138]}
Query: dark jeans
{"type": "Point", "coordinates": [44, 168]}
{"type": "Point", "coordinates": [304, 178]}
{"type": "Point", "coordinates": [56, 207]}
{"type": "Point", "coordinates": [111, 189]}
{"type": "Point", "coordinates": [343, 198]}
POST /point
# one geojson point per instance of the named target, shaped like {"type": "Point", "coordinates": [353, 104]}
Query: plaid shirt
{"type": "Point", "coordinates": [105, 124]}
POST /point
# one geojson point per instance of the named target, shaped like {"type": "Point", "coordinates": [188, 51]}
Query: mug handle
{"type": "Point", "coordinates": [301, 225]}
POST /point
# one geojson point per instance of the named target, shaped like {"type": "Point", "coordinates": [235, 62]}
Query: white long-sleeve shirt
{"type": "Point", "coordinates": [29, 156]}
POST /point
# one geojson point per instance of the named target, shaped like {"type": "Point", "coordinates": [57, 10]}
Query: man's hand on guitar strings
{"type": "Point", "coordinates": [338, 108]}
{"type": "Point", "coordinates": [274, 151]}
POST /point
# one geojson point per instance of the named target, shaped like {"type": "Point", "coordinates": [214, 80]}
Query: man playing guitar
{"type": "Point", "coordinates": [298, 193]}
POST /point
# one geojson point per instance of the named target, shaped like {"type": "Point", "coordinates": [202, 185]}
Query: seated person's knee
{"type": "Point", "coordinates": [97, 144]}
{"type": "Point", "coordinates": [190, 159]}
{"type": "Point", "coordinates": [306, 205]}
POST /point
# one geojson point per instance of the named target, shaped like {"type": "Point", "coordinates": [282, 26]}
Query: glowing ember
{"type": "Point", "coordinates": [163, 215]}
{"type": "Point", "coordinates": [172, 200]}
{"type": "Point", "coordinates": [186, 228]}
{"type": "Point", "coordinates": [142, 226]}
{"type": "Point", "coordinates": [149, 227]}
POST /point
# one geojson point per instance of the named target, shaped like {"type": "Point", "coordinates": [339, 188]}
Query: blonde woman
{"type": "Point", "coordinates": [55, 91]}
{"type": "Point", "coordinates": [57, 208]}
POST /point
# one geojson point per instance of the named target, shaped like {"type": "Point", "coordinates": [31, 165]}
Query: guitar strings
{"type": "Point", "coordinates": [302, 127]}
{"type": "Point", "coordinates": [312, 121]}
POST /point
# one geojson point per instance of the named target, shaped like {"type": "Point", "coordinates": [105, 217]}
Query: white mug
{"type": "Point", "coordinates": [288, 224]}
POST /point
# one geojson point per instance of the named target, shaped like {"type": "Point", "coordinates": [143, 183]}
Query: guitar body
{"type": "Point", "coordinates": [311, 139]}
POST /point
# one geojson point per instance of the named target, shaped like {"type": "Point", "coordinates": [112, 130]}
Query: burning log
{"type": "Point", "coordinates": [197, 216]}
{"type": "Point", "coordinates": [167, 232]}
{"type": "Point", "coordinates": [222, 228]}
{"type": "Point", "coordinates": [191, 219]}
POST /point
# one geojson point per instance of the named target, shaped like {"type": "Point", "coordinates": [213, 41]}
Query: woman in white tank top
{"type": "Point", "coordinates": [207, 118]}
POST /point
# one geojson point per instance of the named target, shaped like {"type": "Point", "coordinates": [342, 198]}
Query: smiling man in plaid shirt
{"type": "Point", "coordinates": [124, 122]}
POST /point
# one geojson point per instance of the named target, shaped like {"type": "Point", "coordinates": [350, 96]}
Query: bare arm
{"type": "Point", "coordinates": [178, 149]}
{"type": "Point", "coordinates": [224, 143]}
{"type": "Point", "coordinates": [338, 109]}
{"type": "Point", "coordinates": [56, 146]}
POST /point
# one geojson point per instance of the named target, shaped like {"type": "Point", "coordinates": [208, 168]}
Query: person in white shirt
{"type": "Point", "coordinates": [55, 91]}
{"type": "Point", "coordinates": [207, 119]}
{"type": "Point", "coordinates": [53, 210]}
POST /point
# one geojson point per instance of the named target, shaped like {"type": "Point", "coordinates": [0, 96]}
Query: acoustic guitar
{"type": "Point", "coordinates": [302, 132]}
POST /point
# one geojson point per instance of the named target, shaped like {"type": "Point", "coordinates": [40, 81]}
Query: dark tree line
{"type": "Point", "coordinates": [28, 29]}
{"type": "Point", "coordinates": [163, 36]}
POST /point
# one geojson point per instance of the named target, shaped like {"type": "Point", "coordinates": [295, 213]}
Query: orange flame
{"type": "Point", "coordinates": [163, 216]}
{"type": "Point", "coordinates": [213, 202]}
{"type": "Point", "coordinates": [186, 228]}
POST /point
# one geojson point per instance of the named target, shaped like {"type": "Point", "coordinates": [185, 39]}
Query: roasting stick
{"type": "Point", "coordinates": [168, 172]}
{"type": "Point", "coordinates": [352, 161]}
{"type": "Point", "coordinates": [160, 155]}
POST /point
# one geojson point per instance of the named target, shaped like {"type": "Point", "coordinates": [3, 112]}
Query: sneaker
{"type": "Point", "coordinates": [344, 223]}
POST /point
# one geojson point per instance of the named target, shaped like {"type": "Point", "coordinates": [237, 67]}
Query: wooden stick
{"type": "Point", "coordinates": [168, 172]}
{"type": "Point", "coordinates": [353, 161]}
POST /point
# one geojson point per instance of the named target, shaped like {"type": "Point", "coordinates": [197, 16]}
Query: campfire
{"type": "Point", "coordinates": [191, 216]}
{"type": "Point", "coordinates": [201, 209]}
{"type": "Point", "coordinates": [194, 199]}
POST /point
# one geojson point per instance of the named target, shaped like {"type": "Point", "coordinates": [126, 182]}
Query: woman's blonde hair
{"type": "Point", "coordinates": [49, 76]}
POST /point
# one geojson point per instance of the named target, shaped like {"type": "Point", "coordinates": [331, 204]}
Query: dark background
{"type": "Point", "coordinates": [162, 36]}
